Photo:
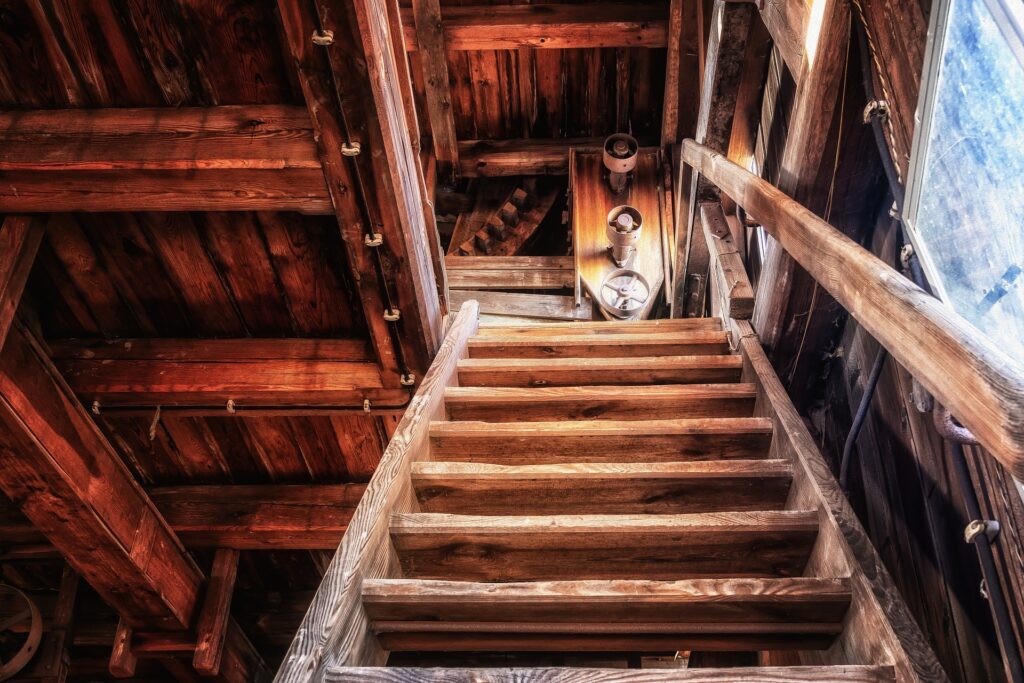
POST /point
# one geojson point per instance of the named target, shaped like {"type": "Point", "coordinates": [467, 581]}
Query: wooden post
{"type": "Point", "coordinates": [122, 659]}
{"type": "Point", "coordinates": [430, 38]}
{"type": "Point", "coordinates": [20, 237]}
{"type": "Point", "coordinates": [212, 628]}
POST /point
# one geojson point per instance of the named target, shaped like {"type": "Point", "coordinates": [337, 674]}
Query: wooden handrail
{"type": "Point", "coordinates": [960, 366]}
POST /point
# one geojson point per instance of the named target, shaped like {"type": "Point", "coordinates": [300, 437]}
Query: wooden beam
{"type": "Point", "coordinates": [215, 614]}
{"type": "Point", "coordinates": [20, 237]}
{"type": "Point", "coordinates": [65, 476]}
{"type": "Point", "coordinates": [511, 27]}
{"type": "Point", "coordinates": [796, 674]}
{"type": "Point", "coordinates": [495, 158]}
{"type": "Point", "coordinates": [727, 270]}
{"type": "Point", "coordinates": [537, 306]}
{"type": "Point", "coordinates": [807, 142]}
{"type": "Point", "coordinates": [730, 28]}
{"type": "Point", "coordinates": [434, 60]}
{"type": "Point", "coordinates": [682, 72]}
{"type": "Point", "coordinates": [511, 272]}
{"type": "Point", "coordinates": [192, 159]}
{"type": "Point", "coordinates": [237, 516]}
{"type": "Point", "coordinates": [961, 367]}
{"type": "Point", "coordinates": [122, 658]}
{"type": "Point", "coordinates": [787, 23]}
{"type": "Point", "coordinates": [250, 372]}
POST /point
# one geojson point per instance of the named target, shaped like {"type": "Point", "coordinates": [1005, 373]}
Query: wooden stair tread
{"type": "Point", "coordinates": [522, 372]}
{"type": "Point", "coordinates": [602, 488]}
{"type": "Point", "coordinates": [512, 443]}
{"type": "Point", "coordinates": [681, 343]}
{"type": "Point", "coordinates": [604, 328]}
{"type": "Point", "coordinates": [769, 674]}
{"type": "Point", "coordinates": [516, 404]}
{"type": "Point", "coordinates": [565, 547]}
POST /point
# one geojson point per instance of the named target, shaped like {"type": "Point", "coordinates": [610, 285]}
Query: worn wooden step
{"type": "Point", "coordinates": [602, 488]}
{"type": "Point", "coordinates": [767, 674]}
{"type": "Point", "coordinates": [606, 328]}
{"type": "Point", "coordinates": [536, 443]}
{"type": "Point", "coordinates": [564, 372]}
{"type": "Point", "coordinates": [624, 615]}
{"type": "Point", "coordinates": [686, 343]}
{"type": "Point", "coordinates": [668, 401]}
{"type": "Point", "coordinates": [568, 547]}
{"type": "Point", "coordinates": [544, 306]}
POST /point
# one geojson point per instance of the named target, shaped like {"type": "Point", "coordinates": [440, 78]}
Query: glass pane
{"type": "Point", "coordinates": [971, 213]}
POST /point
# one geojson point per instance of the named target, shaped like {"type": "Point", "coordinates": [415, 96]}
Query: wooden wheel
{"type": "Point", "coordinates": [20, 622]}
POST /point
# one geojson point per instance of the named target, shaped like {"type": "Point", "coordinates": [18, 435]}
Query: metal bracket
{"type": "Point", "coordinates": [323, 38]}
{"type": "Point", "coordinates": [408, 380]}
{"type": "Point", "coordinates": [351, 149]}
{"type": "Point", "coordinates": [373, 240]}
{"type": "Point", "coordinates": [876, 108]}
{"type": "Point", "coordinates": [392, 314]}
{"type": "Point", "coordinates": [976, 527]}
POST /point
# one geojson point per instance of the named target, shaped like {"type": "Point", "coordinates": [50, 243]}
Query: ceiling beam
{"type": "Point", "coordinates": [64, 475]}
{"type": "Point", "coordinates": [495, 158]}
{"type": "Point", "coordinates": [230, 158]}
{"type": "Point", "coordinates": [251, 373]}
{"type": "Point", "coordinates": [723, 68]}
{"type": "Point", "coordinates": [20, 237]}
{"type": "Point", "coordinates": [233, 516]}
{"type": "Point", "coordinates": [586, 25]}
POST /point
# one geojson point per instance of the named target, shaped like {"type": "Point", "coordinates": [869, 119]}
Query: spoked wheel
{"type": "Point", "coordinates": [21, 629]}
{"type": "Point", "coordinates": [624, 293]}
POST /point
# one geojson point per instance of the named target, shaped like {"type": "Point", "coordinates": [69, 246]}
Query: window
{"type": "Point", "coordinates": [965, 202]}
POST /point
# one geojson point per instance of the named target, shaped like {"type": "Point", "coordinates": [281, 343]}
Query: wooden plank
{"type": "Point", "coordinates": [878, 624]}
{"type": "Point", "coordinates": [542, 306]}
{"type": "Point", "coordinates": [434, 62]}
{"type": "Point", "coordinates": [730, 28]}
{"type": "Point", "coordinates": [250, 372]}
{"type": "Point", "coordinates": [215, 614]}
{"type": "Point", "coordinates": [510, 272]}
{"type": "Point", "coordinates": [771, 674]}
{"type": "Point", "coordinates": [682, 72]}
{"type": "Point", "coordinates": [787, 24]}
{"type": "Point", "coordinates": [960, 366]}
{"type": "Point", "coordinates": [602, 488]}
{"type": "Point", "coordinates": [20, 237]}
{"type": "Point", "coordinates": [605, 328]}
{"type": "Point", "coordinates": [579, 547]}
{"type": "Point", "coordinates": [67, 478]}
{"type": "Point", "coordinates": [554, 26]}
{"type": "Point", "coordinates": [513, 404]}
{"type": "Point", "coordinates": [727, 267]}
{"type": "Point", "coordinates": [690, 343]}
{"type": "Point", "coordinates": [558, 372]}
{"type": "Point", "coordinates": [335, 630]}
{"type": "Point", "coordinates": [496, 158]}
{"type": "Point", "coordinates": [557, 263]}
{"type": "Point", "coordinates": [527, 443]}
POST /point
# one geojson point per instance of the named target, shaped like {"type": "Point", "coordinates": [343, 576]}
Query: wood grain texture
{"type": "Point", "coordinates": [553, 26]}
{"type": "Point", "coordinates": [679, 401]}
{"type": "Point", "coordinates": [604, 328]}
{"type": "Point", "coordinates": [565, 372]}
{"type": "Point", "coordinates": [575, 547]}
{"type": "Point", "coordinates": [433, 59]}
{"type": "Point", "coordinates": [215, 613]}
{"type": "Point", "coordinates": [526, 443]}
{"type": "Point", "coordinates": [544, 307]}
{"type": "Point", "coordinates": [728, 272]}
{"type": "Point", "coordinates": [696, 342]}
{"type": "Point", "coordinates": [514, 157]}
{"type": "Point", "coordinates": [510, 272]}
{"type": "Point", "coordinates": [985, 392]}
{"type": "Point", "coordinates": [20, 237]}
{"type": "Point", "coordinates": [335, 630]}
{"type": "Point", "coordinates": [601, 488]}
{"type": "Point", "coordinates": [797, 674]}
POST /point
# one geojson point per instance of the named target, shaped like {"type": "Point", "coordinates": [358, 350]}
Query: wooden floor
{"type": "Point", "coordinates": [595, 490]}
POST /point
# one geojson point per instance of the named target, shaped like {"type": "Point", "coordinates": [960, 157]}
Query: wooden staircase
{"type": "Point", "coordinates": [603, 490]}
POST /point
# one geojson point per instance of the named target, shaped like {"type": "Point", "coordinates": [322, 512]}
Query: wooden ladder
{"type": "Point", "coordinates": [604, 490]}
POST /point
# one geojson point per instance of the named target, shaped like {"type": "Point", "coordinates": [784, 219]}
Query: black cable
{"type": "Point", "coordinates": [996, 598]}
{"type": "Point", "coordinates": [862, 413]}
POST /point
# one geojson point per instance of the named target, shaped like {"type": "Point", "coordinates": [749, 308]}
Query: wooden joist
{"type": "Point", "coordinates": [555, 26]}
{"type": "Point", "coordinates": [510, 272]}
{"type": "Point", "coordinates": [602, 488]}
{"type": "Point", "coordinates": [511, 404]}
{"type": "Point", "coordinates": [728, 273]}
{"type": "Point", "coordinates": [249, 372]}
{"type": "Point", "coordinates": [20, 237]}
{"type": "Point", "coordinates": [527, 443]}
{"type": "Point", "coordinates": [769, 674]}
{"type": "Point", "coordinates": [228, 158]}
{"type": "Point", "coordinates": [235, 516]}
{"type": "Point", "coordinates": [689, 343]}
{"type": "Point", "coordinates": [496, 158]}
{"type": "Point", "coordinates": [543, 307]}
{"type": "Point", "coordinates": [578, 547]}
{"type": "Point", "coordinates": [558, 372]}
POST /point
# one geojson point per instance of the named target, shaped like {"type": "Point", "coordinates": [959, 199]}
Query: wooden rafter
{"type": "Point", "coordinates": [510, 27]}
{"type": "Point", "coordinates": [20, 237]}
{"type": "Point", "coordinates": [434, 60]}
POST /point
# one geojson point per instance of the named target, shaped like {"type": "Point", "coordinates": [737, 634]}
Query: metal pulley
{"type": "Point", "coordinates": [624, 293]}
{"type": "Point", "coordinates": [624, 223]}
{"type": "Point", "coordinates": [620, 155]}
{"type": "Point", "coordinates": [23, 624]}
